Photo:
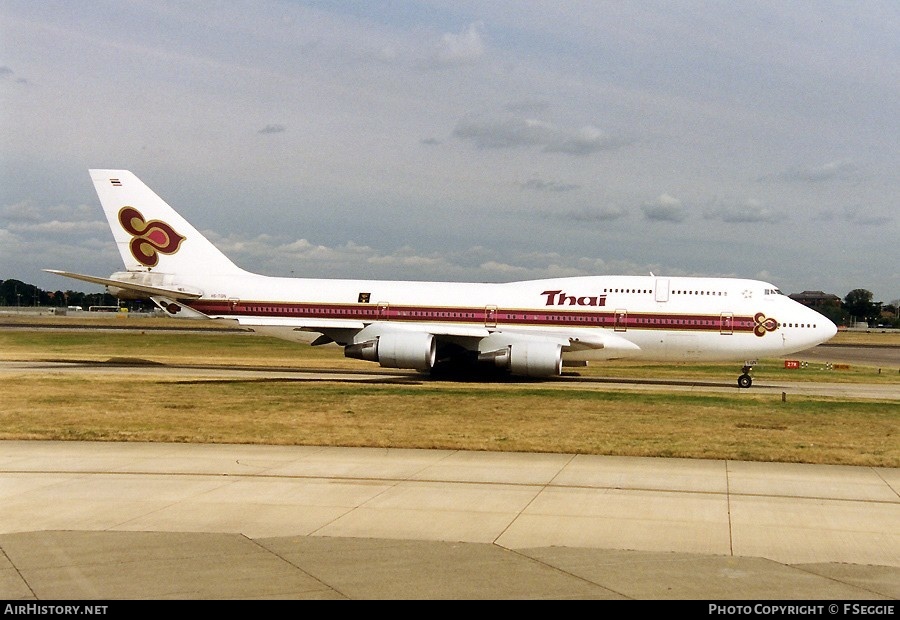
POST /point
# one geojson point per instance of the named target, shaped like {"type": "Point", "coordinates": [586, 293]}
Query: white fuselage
{"type": "Point", "coordinates": [714, 319]}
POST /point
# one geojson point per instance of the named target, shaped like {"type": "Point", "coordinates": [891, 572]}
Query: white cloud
{"type": "Point", "coordinates": [464, 48]}
{"type": "Point", "coordinates": [867, 217]}
{"type": "Point", "coordinates": [512, 131]}
{"type": "Point", "coordinates": [750, 211]}
{"type": "Point", "coordinates": [841, 170]}
{"type": "Point", "coordinates": [584, 141]}
{"type": "Point", "coordinates": [58, 227]}
{"type": "Point", "coordinates": [596, 214]}
{"type": "Point", "coordinates": [539, 185]}
{"type": "Point", "coordinates": [508, 132]}
{"type": "Point", "coordinates": [665, 208]}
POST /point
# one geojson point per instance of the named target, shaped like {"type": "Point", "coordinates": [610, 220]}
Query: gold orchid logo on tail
{"type": "Point", "coordinates": [149, 239]}
{"type": "Point", "coordinates": [764, 324]}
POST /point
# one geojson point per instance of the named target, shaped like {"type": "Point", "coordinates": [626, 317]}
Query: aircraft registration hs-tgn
{"type": "Point", "coordinates": [529, 328]}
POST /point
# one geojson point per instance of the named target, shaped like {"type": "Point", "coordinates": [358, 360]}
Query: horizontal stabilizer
{"type": "Point", "coordinates": [130, 286]}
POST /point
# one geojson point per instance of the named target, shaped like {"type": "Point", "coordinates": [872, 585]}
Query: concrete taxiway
{"type": "Point", "coordinates": [104, 521]}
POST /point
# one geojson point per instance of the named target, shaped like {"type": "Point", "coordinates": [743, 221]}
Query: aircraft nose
{"type": "Point", "coordinates": [829, 329]}
{"type": "Point", "coordinates": [825, 328]}
{"type": "Point", "coordinates": [818, 327]}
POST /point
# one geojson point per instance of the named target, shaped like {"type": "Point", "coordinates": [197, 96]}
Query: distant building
{"type": "Point", "coordinates": [817, 299]}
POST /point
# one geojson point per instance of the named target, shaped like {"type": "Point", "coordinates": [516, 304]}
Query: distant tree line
{"type": "Point", "coordinates": [856, 307]}
{"type": "Point", "coordinates": [15, 293]}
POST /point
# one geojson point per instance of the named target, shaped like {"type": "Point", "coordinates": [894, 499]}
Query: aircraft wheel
{"type": "Point", "coordinates": [745, 381]}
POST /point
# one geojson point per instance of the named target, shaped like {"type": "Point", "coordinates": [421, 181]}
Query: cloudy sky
{"type": "Point", "coordinates": [458, 140]}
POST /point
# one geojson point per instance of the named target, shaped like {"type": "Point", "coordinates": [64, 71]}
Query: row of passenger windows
{"type": "Point", "coordinates": [358, 311]}
{"type": "Point", "coordinates": [644, 291]}
{"type": "Point", "coordinates": [315, 311]}
{"type": "Point", "coordinates": [453, 315]}
{"type": "Point", "coordinates": [715, 293]}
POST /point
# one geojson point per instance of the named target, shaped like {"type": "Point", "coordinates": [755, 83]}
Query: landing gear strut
{"type": "Point", "coordinates": [745, 380]}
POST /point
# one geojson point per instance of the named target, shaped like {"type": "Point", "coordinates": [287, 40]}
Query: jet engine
{"type": "Point", "coordinates": [531, 359]}
{"type": "Point", "coordinates": [416, 350]}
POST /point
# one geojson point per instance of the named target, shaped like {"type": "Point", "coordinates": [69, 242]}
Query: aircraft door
{"type": "Point", "coordinates": [490, 316]}
{"type": "Point", "coordinates": [726, 323]}
{"type": "Point", "coordinates": [383, 308]}
{"type": "Point", "coordinates": [621, 320]}
{"type": "Point", "coordinates": [662, 289]}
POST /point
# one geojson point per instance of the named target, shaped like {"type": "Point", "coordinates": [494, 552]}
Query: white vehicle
{"type": "Point", "coordinates": [529, 328]}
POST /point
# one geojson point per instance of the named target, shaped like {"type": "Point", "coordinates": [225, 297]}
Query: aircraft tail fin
{"type": "Point", "coordinates": [150, 234]}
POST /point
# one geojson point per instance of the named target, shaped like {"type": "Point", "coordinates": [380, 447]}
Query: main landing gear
{"type": "Point", "coordinates": [745, 380]}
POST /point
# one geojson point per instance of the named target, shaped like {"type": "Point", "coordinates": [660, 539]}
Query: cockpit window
{"type": "Point", "coordinates": [773, 291]}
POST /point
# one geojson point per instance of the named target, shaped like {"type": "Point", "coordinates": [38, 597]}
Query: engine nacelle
{"type": "Point", "coordinates": [416, 350]}
{"type": "Point", "coordinates": [532, 359]}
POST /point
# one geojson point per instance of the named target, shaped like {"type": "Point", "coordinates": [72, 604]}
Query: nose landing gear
{"type": "Point", "coordinates": [745, 380]}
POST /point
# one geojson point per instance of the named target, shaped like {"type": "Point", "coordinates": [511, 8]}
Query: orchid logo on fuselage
{"type": "Point", "coordinates": [149, 239]}
{"type": "Point", "coordinates": [763, 324]}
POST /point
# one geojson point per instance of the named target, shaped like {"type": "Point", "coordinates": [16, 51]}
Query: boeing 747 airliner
{"type": "Point", "coordinates": [529, 328]}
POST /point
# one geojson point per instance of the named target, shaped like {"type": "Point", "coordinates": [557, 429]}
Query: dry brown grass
{"type": "Point", "coordinates": [511, 417]}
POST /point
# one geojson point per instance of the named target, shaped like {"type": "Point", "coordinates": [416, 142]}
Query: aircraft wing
{"type": "Point", "coordinates": [570, 339]}
{"type": "Point", "coordinates": [348, 329]}
{"type": "Point", "coordinates": [471, 336]}
{"type": "Point", "coordinates": [602, 340]}
{"type": "Point", "coordinates": [326, 325]}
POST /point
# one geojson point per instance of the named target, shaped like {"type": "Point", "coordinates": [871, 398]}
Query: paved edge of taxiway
{"type": "Point", "coordinates": [103, 521]}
